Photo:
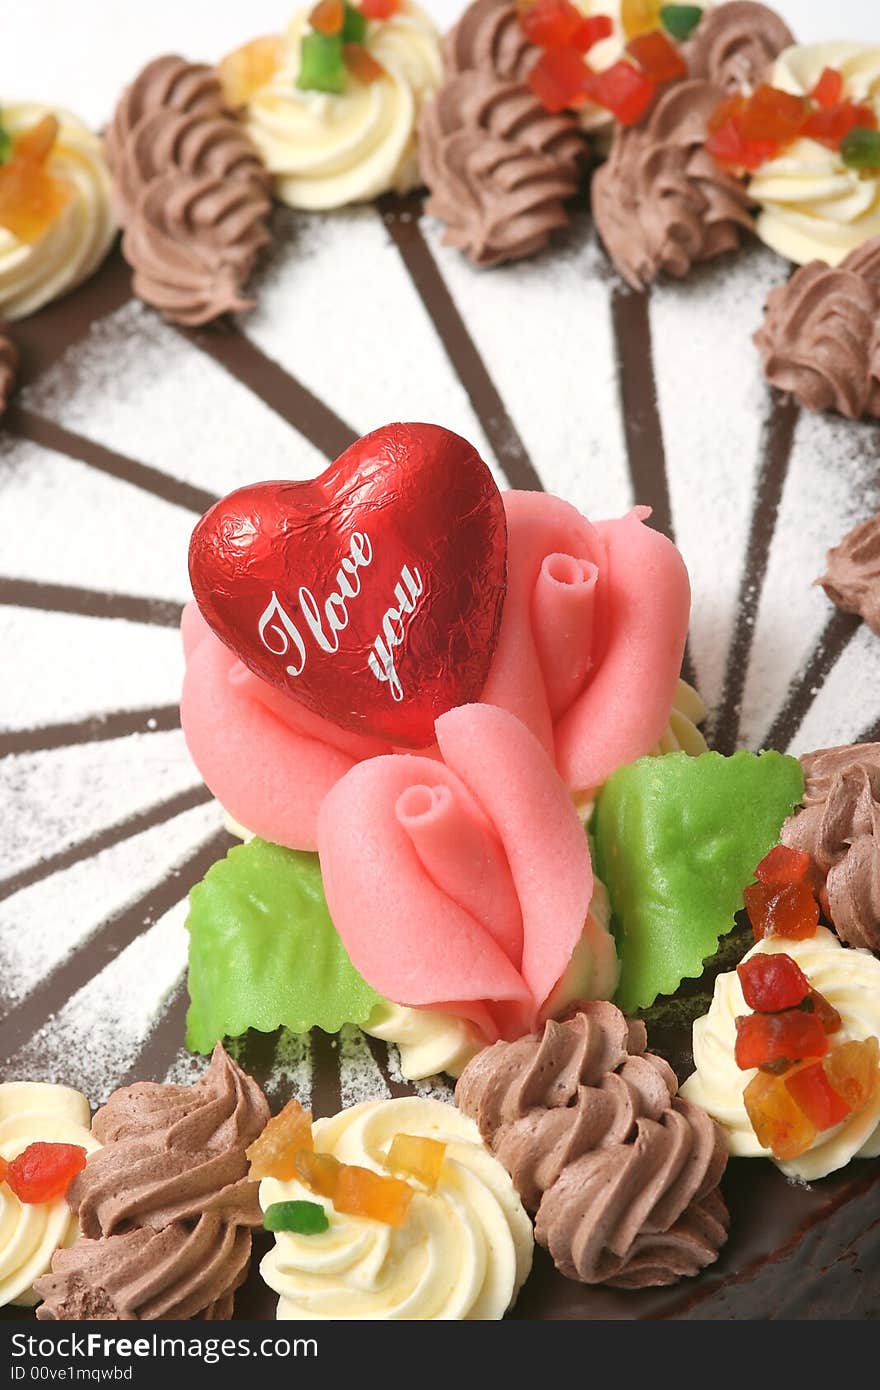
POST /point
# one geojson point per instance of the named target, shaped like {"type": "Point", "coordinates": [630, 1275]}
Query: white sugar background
{"type": "Point", "coordinates": [136, 386]}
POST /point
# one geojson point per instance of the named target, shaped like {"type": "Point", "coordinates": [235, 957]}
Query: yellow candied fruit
{"type": "Point", "coordinates": [30, 197]}
{"type": "Point", "coordinates": [245, 70]}
{"type": "Point", "coordinates": [853, 1069]}
{"type": "Point", "coordinates": [418, 1158]}
{"type": "Point", "coordinates": [779, 1123]}
{"type": "Point", "coordinates": [273, 1155]}
{"type": "Point", "coordinates": [640, 16]}
{"type": "Point", "coordinates": [361, 1192]}
{"type": "Point", "coordinates": [318, 1172]}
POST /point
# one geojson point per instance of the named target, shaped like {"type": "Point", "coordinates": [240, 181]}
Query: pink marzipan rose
{"type": "Point", "coordinates": [588, 656]}
{"type": "Point", "coordinates": [464, 884]}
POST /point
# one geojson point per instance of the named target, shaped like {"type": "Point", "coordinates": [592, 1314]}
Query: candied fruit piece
{"type": "Point", "coordinates": [727, 146]}
{"type": "Point", "coordinates": [826, 1013]}
{"type": "Point", "coordinates": [550, 23]}
{"type": "Point", "coordinates": [272, 1155]}
{"type": "Point", "coordinates": [328, 16]}
{"type": "Point", "coordinates": [771, 983]}
{"type": "Point", "coordinates": [853, 1069]}
{"type": "Point", "coordinates": [783, 865]}
{"type": "Point", "coordinates": [318, 1172]}
{"type": "Point", "coordinates": [30, 197]}
{"type": "Point", "coordinates": [622, 89]}
{"type": "Point", "coordinates": [244, 71]}
{"type": "Point", "coordinates": [379, 9]}
{"type": "Point", "coordinates": [770, 114]}
{"type": "Point", "coordinates": [3, 1167]}
{"type": "Point", "coordinates": [860, 148]}
{"type": "Point", "coordinates": [812, 1091]}
{"type": "Point", "coordinates": [832, 125]}
{"type": "Point", "coordinates": [557, 79]}
{"type": "Point", "coordinates": [763, 1038]}
{"type": "Point", "coordinates": [829, 89]}
{"type": "Point", "coordinates": [303, 1218]}
{"type": "Point", "coordinates": [44, 1171]}
{"type": "Point", "coordinates": [591, 30]}
{"type": "Point", "coordinates": [321, 66]}
{"type": "Point", "coordinates": [680, 20]}
{"type": "Point", "coordinates": [790, 911]}
{"type": "Point", "coordinates": [778, 1121]}
{"type": "Point", "coordinates": [361, 64]}
{"type": "Point", "coordinates": [657, 57]}
{"type": "Point", "coordinates": [730, 109]}
{"type": "Point", "coordinates": [417, 1158]}
{"type": "Point", "coordinates": [640, 16]}
{"type": "Point", "coordinates": [361, 1192]}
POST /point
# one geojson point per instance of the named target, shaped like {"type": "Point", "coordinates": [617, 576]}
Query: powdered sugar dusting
{"type": "Point", "coordinates": [58, 798]}
{"type": "Point", "coordinates": [42, 925]}
{"type": "Point", "coordinates": [359, 1075]}
{"type": "Point", "coordinates": [849, 701]}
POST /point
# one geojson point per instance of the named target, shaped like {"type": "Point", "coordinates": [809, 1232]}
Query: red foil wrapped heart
{"type": "Point", "coordinates": [372, 594]}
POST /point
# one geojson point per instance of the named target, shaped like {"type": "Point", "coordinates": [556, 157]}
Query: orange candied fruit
{"type": "Point", "coordinates": [657, 57]}
{"type": "Point", "coordinates": [853, 1069]}
{"type": "Point", "coordinates": [778, 1121]}
{"type": "Point", "coordinates": [3, 1168]}
{"type": "Point", "coordinates": [791, 911]}
{"type": "Point", "coordinates": [640, 16]}
{"type": "Point", "coordinates": [361, 64]}
{"type": "Point", "coordinates": [244, 71]}
{"type": "Point", "coordinates": [379, 9]}
{"type": "Point", "coordinates": [361, 1192]}
{"type": "Point", "coordinates": [418, 1158]}
{"type": "Point", "coordinates": [318, 1172]}
{"type": "Point", "coordinates": [30, 197]}
{"type": "Point", "coordinates": [770, 114]}
{"type": "Point", "coordinates": [288, 1133]}
{"type": "Point", "coordinates": [328, 17]}
{"type": "Point", "coordinates": [828, 91]}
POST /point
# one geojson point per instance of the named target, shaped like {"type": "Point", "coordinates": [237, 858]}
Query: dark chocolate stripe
{"type": "Point", "coordinates": [401, 216]}
{"type": "Point", "coordinates": [837, 633]}
{"type": "Point", "coordinates": [89, 603]}
{"type": "Point", "coordinates": [98, 728]}
{"type": "Point", "coordinates": [45, 336]}
{"type": "Point", "coordinates": [163, 1043]}
{"type": "Point", "coordinates": [275, 386]}
{"type": "Point", "coordinates": [25, 424]}
{"type": "Point", "coordinates": [28, 1017]}
{"type": "Point", "coordinates": [776, 442]}
{"type": "Point", "coordinates": [380, 1057]}
{"type": "Point", "coordinates": [643, 430]}
{"type": "Point", "coordinates": [326, 1088]}
{"type": "Point", "coordinates": [105, 839]}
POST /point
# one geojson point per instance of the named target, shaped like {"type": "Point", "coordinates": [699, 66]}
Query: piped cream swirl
{"type": "Point", "coordinates": [30, 1233]}
{"type": "Point", "coordinates": [325, 151]}
{"type": "Point", "coordinates": [850, 981]}
{"type": "Point", "coordinates": [463, 1253]}
{"type": "Point", "coordinates": [813, 207]}
{"type": "Point", "coordinates": [76, 241]}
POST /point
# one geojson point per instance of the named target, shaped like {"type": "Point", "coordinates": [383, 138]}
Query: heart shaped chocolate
{"type": "Point", "coordinates": [372, 594]}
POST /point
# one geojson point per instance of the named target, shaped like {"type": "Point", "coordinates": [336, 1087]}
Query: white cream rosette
{"type": "Point", "coordinates": [77, 240]}
{"type": "Point", "coordinates": [813, 207]}
{"type": "Point", "coordinates": [30, 1233]}
{"type": "Point", "coordinates": [463, 1253]}
{"type": "Point", "coordinates": [850, 981]}
{"type": "Point", "coordinates": [326, 151]}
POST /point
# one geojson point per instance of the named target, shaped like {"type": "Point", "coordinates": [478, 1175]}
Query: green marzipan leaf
{"type": "Point", "coordinates": [264, 952]}
{"type": "Point", "coordinates": [677, 840]}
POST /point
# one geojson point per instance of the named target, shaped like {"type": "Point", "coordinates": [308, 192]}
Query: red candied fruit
{"type": "Point", "coordinates": [730, 109]}
{"type": "Point", "coordinates": [783, 865]}
{"type": "Point", "coordinates": [766, 1039]}
{"type": "Point", "coordinates": [379, 9]}
{"type": "Point", "coordinates": [829, 89]}
{"type": "Point", "coordinates": [593, 29]}
{"type": "Point", "coordinates": [657, 57]}
{"type": "Point", "coordinates": [727, 146]}
{"type": "Point", "coordinates": [622, 89]}
{"type": "Point", "coordinates": [770, 114]}
{"type": "Point", "coordinates": [826, 1013]}
{"type": "Point", "coordinates": [44, 1171]}
{"type": "Point", "coordinates": [791, 911]}
{"type": "Point", "coordinates": [550, 23]}
{"type": "Point", "coordinates": [832, 124]}
{"type": "Point", "coordinates": [557, 79]}
{"type": "Point", "coordinates": [811, 1090]}
{"type": "Point", "coordinates": [771, 983]}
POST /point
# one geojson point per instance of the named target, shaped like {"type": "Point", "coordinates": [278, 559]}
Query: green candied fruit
{"type": "Point", "coordinates": [677, 840]}
{"type": "Point", "coordinates": [5, 142]}
{"type": "Point", "coordinates": [263, 951]}
{"type": "Point", "coordinates": [303, 1218]}
{"type": "Point", "coordinates": [680, 20]}
{"type": "Point", "coordinates": [321, 64]}
{"type": "Point", "coordinates": [860, 148]}
{"type": "Point", "coordinates": [354, 25]}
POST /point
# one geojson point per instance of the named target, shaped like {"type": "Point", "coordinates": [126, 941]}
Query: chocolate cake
{"type": "Point", "coordinates": [124, 429]}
